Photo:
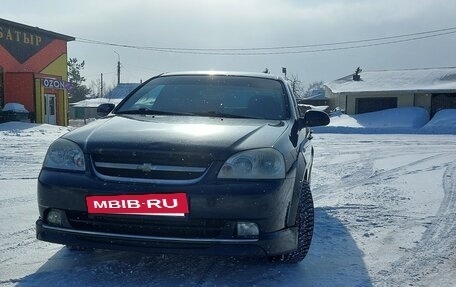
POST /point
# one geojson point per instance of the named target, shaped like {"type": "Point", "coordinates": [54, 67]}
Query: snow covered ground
{"type": "Point", "coordinates": [385, 216]}
{"type": "Point", "coordinates": [406, 120]}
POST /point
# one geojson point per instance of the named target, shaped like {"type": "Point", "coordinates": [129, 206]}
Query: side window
{"type": "Point", "coordinates": [294, 104]}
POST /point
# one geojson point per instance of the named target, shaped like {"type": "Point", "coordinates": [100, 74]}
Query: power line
{"type": "Point", "coordinates": [266, 48]}
{"type": "Point", "coordinates": [348, 47]}
{"type": "Point", "coordinates": [276, 50]}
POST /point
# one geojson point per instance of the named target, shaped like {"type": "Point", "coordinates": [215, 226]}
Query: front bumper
{"type": "Point", "coordinates": [268, 244]}
{"type": "Point", "coordinates": [266, 203]}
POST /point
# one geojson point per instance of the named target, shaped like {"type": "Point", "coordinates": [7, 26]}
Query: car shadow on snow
{"type": "Point", "coordinates": [333, 260]}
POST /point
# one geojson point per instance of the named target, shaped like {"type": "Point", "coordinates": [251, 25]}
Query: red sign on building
{"type": "Point", "coordinates": [33, 71]}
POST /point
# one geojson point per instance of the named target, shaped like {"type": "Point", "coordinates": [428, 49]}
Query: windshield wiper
{"type": "Point", "coordinates": [145, 111]}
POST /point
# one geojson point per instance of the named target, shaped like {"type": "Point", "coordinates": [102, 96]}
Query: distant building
{"type": "Point", "coordinates": [33, 71]}
{"type": "Point", "coordinates": [433, 89]}
{"type": "Point", "coordinates": [315, 97]}
{"type": "Point", "coordinates": [87, 109]}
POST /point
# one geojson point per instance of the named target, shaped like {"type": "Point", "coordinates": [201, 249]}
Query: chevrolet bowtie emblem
{"type": "Point", "coordinates": [145, 167]}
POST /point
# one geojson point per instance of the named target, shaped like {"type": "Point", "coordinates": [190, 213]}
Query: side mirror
{"type": "Point", "coordinates": [314, 118]}
{"type": "Point", "coordinates": [104, 109]}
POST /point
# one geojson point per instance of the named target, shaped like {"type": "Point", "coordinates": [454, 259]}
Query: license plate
{"type": "Point", "coordinates": [169, 204]}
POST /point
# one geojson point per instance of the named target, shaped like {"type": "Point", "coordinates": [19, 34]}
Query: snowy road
{"type": "Point", "coordinates": [385, 216]}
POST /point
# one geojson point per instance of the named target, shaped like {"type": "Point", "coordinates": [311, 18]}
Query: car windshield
{"type": "Point", "coordinates": [209, 95]}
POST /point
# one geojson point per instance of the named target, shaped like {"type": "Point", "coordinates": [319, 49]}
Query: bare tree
{"type": "Point", "coordinates": [95, 87]}
{"type": "Point", "coordinates": [296, 85]}
{"type": "Point", "coordinates": [108, 88]}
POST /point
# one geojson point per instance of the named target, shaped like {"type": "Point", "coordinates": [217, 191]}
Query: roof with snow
{"type": "Point", "coordinates": [121, 90]}
{"type": "Point", "coordinates": [415, 80]}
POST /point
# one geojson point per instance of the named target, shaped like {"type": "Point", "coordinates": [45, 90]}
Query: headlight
{"type": "Point", "coordinates": [264, 163]}
{"type": "Point", "coordinates": [64, 154]}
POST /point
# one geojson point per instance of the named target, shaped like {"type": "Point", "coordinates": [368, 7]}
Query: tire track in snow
{"type": "Point", "coordinates": [438, 243]}
{"type": "Point", "coordinates": [14, 201]}
{"type": "Point", "coordinates": [366, 175]}
{"type": "Point", "coordinates": [10, 252]}
{"type": "Point", "coordinates": [16, 240]}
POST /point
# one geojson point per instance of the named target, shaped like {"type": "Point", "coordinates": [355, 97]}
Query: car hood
{"type": "Point", "coordinates": [218, 137]}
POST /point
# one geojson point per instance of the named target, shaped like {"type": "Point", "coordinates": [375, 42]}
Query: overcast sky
{"type": "Point", "coordinates": [243, 24]}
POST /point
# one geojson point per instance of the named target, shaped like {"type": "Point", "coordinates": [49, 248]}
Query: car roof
{"type": "Point", "coordinates": [224, 73]}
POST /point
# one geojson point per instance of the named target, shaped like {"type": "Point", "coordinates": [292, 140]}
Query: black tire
{"type": "Point", "coordinates": [305, 224]}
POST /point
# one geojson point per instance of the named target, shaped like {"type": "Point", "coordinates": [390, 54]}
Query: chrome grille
{"type": "Point", "coordinates": [150, 167]}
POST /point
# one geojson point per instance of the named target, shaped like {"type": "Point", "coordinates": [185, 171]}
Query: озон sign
{"type": "Point", "coordinates": [53, 84]}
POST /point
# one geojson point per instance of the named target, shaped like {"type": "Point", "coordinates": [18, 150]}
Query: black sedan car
{"type": "Point", "coordinates": [195, 162]}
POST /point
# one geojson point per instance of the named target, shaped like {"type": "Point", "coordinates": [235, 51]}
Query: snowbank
{"type": "Point", "coordinates": [21, 128]}
{"type": "Point", "coordinates": [443, 122]}
{"type": "Point", "coordinates": [391, 121]}
{"type": "Point", "coordinates": [411, 117]}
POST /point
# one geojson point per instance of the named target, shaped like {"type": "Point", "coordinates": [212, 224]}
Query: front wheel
{"type": "Point", "coordinates": [305, 224]}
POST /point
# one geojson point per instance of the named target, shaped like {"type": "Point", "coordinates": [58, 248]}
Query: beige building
{"type": "Point", "coordinates": [433, 89]}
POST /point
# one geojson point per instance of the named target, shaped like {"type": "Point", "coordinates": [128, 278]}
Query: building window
{"type": "Point", "coordinates": [367, 105]}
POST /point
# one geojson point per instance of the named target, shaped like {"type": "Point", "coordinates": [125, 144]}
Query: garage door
{"type": "Point", "coordinates": [367, 105]}
{"type": "Point", "coordinates": [442, 101]}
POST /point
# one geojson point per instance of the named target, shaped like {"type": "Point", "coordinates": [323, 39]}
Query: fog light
{"type": "Point", "coordinates": [55, 216]}
{"type": "Point", "coordinates": [247, 229]}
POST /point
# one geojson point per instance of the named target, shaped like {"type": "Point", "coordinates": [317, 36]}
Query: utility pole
{"type": "Point", "coordinates": [101, 86]}
{"type": "Point", "coordinates": [118, 67]}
